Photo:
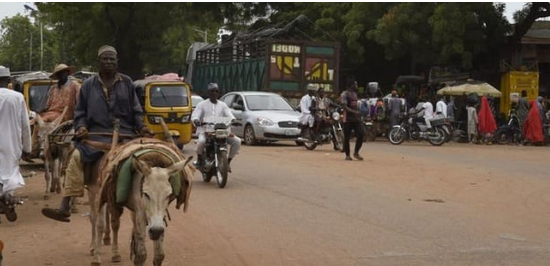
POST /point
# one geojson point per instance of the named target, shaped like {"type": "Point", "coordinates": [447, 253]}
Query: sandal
{"type": "Point", "coordinates": [56, 214]}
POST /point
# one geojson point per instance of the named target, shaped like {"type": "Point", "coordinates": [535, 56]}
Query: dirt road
{"type": "Point", "coordinates": [412, 204]}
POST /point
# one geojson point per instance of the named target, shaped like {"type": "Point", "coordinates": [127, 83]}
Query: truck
{"type": "Point", "coordinates": [511, 85]}
{"type": "Point", "coordinates": [272, 59]}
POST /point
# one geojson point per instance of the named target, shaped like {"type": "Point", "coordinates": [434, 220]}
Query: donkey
{"type": "Point", "coordinates": [154, 167]}
{"type": "Point", "coordinates": [54, 153]}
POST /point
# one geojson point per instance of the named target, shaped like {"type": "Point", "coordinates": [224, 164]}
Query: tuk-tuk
{"type": "Point", "coordinates": [168, 99]}
{"type": "Point", "coordinates": [34, 87]}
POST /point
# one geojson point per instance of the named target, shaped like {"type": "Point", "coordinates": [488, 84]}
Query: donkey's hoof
{"type": "Point", "coordinates": [106, 241]}
{"type": "Point", "coordinates": [92, 252]}
{"type": "Point", "coordinates": [58, 190]}
{"type": "Point", "coordinates": [116, 258]}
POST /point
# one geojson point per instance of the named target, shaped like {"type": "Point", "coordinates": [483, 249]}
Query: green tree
{"type": "Point", "coordinates": [150, 37]}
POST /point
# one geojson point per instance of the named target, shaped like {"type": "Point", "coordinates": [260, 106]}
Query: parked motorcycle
{"type": "Point", "coordinates": [374, 128]}
{"type": "Point", "coordinates": [216, 150]}
{"type": "Point", "coordinates": [411, 130]}
{"type": "Point", "coordinates": [7, 206]}
{"type": "Point", "coordinates": [329, 131]}
{"type": "Point", "coordinates": [511, 132]}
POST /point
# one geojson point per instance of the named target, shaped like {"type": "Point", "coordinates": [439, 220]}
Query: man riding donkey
{"type": "Point", "coordinates": [61, 95]}
{"type": "Point", "coordinates": [104, 98]}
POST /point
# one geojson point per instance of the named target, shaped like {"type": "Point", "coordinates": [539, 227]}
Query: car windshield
{"type": "Point", "coordinates": [196, 100]}
{"type": "Point", "coordinates": [267, 102]}
{"type": "Point", "coordinates": [38, 97]}
{"type": "Point", "coordinates": [169, 96]}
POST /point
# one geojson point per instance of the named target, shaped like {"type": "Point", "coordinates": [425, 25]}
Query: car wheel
{"type": "Point", "coordinates": [249, 137]}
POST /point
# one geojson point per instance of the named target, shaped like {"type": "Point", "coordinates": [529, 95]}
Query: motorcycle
{"type": "Point", "coordinates": [374, 129]}
{"type": "Point", "coordinates": [511, 132]}
{"type": "Point", "coordinates": [409, 129]}
{"type": "Point", "coordinates": [330, 131]}
{"type": "Point", "coordinates": [216, 150]}
{"type": "Point", "coordinates": [7, 206]}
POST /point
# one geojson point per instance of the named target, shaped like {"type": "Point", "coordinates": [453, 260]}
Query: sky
{"type": "Point", "coordinates": [9, 9]}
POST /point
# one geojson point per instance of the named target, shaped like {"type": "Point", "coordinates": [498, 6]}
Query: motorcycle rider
{"type": "Point", "coordinates": [321, 105]}
{"type": "Point", "coordinates": [15, 143]}
{"type": "Point", "coordinates": [213, 108]}
{"type": "Point", "coordinates": [428, 110]}
{"type": "Point", "coordinates": [305, 106]}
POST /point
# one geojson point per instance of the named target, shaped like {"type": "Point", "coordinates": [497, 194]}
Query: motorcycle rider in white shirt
{"type": "Point", "coordinates": [213, 108]}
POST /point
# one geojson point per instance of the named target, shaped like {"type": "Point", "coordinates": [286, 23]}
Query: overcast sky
{"type": "Point", "coordinates": [9, 9]}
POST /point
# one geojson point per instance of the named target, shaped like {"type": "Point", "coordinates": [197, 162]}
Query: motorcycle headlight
{"type": "Point", "coordinates": [222, 133]}
{"type": "Point", "coordinates": [265, 122]}
{"type": "Point", "coordinates": [336, 116]}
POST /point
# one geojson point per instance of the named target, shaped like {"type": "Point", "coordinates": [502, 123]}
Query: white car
{"type": "Point", "coordinates": [265, 116]}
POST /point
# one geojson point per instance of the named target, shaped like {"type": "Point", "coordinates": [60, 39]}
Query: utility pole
{"type": "Point", "coordinates": [203, 32]}
{"type": "Point", "coordinates": [27, 7]}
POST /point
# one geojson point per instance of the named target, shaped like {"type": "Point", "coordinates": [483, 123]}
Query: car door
{"type": "Point", "coordinates": [239, 115]}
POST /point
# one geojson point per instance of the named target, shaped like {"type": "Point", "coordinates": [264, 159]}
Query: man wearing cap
{"type": "Point", "coordinates": [307, 117]}
{"type": "Point", "coordinates": [60, 95]}
{"type": "Point", "coordinates": [104, 97]}
{"type": "Point", "coordinates": [213, 108]}
{"type": "Point", "coordinates": [15, 141]}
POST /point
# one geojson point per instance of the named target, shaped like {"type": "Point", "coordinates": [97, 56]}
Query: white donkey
{"type": "Point", "coordinates": [156, 173]}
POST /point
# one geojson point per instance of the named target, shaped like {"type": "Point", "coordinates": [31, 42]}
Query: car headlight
{"type": "Point", "coordinates": [336, 116]}
{"type": "Point", "coordinates": [185, 118]}
{"type": "Point", "coordinates": [265, 122]}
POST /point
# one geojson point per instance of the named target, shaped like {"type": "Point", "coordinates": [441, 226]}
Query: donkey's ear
{"type": "Point", "coordinates": [140, 166]}
{"type": "Point", "coordinates": [178, 166]}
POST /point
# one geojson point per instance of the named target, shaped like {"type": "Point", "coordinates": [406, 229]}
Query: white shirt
{"type": "Point", "coordinates": [441, 107]}
{"type": "Point", "coordinates": [16, 138]}
{"type": "Point", "coordinates": [305, 104]}
{"type": "Point", "coordinates": [206, 109]}
{"type": "Point", "coordinates": [428, 110]}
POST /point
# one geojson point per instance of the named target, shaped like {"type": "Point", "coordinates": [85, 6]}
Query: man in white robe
{"type": "Point", "coordinates": [16, 136]}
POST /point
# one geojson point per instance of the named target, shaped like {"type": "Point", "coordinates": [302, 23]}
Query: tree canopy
{"type": "Point", "coordinates": [406, 37]}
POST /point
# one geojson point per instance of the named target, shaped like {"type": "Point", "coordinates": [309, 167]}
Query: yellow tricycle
{"type": "Point", "coordinates": [168, 100]}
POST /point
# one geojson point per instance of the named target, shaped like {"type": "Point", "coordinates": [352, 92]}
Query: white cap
{"type": "Point", "coordinates": [4, 72]}
{"type": "Point", "coordinates": [212, 86]}
{"type": "Point", "coordinates": [311, 87]}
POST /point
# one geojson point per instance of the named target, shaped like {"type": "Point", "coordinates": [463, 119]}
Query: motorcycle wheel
{"type": "Point", "coordinates": [223, 167]}
{"type": "Point", "coordinates": [310, 144]}
{"type": "Point", "coordinates": [370, 135]}
{"type": "Point", "coordinates": [339, 141]}
{"type": "Point", "coordinates": [206, 177]}
{"type": "Point", "coordinates": [501, 137]}
{"type": "Point", "coordinates": [396, 136]}
{"type": "Point", "coordinates": [439, 137]}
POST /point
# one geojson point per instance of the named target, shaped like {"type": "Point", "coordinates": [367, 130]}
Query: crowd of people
{"type": "Point", "coordinates": [474, 115]}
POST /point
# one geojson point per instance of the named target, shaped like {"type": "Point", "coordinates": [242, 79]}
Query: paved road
{"type": "Point", "coordinates": [413, 204]}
